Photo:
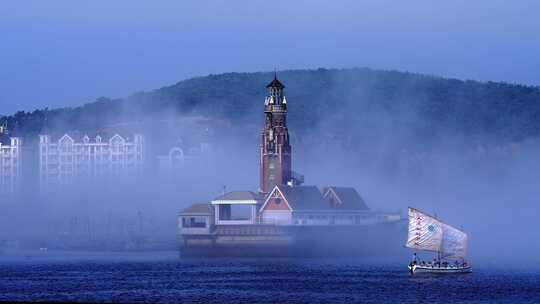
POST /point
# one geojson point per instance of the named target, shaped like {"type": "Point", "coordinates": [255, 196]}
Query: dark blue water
{"type": "Point", "coordinates": [166, 279]}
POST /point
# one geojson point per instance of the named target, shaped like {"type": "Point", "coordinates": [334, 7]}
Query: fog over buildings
{"type": "Point", "coordinates": [191, 159]}
{"type": "Point", "coordinates": [59, 53]}
{"type": "Point", "coordinates": [10, 161]}
{"type": "Point", "coordinates": [63, 160]}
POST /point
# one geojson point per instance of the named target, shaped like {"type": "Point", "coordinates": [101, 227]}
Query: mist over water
{"type": "Point", "coordinates": [128, 212]}
{"type": "Point", "coordinates": [475, 181]}
{"type": "Point", "coordinates": [431, 105]}
{"type": "Point", "coordinates": [491, 197]}
{"type": "Point", "coordinates": [486, 187]}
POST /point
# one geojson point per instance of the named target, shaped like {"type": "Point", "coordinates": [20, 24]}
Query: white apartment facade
{"type": "Point", "coordinates": [64, 160]}
{"type": "Point", "coordinates": [10, 165]}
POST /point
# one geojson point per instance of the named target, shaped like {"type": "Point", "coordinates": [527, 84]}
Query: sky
{"type": "Point", "coordinates": [59, 53]}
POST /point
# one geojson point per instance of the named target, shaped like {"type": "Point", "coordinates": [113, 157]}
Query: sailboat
{"type": "Point", "coordinates": [427, 233]}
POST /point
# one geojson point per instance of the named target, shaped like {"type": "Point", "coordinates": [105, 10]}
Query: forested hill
{"type": "Point", "coordinates": [350, 102]}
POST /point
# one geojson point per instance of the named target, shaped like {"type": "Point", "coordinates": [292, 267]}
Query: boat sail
{"type": "Point", "coordinates": [425, 232]}
{"type": "Point", "coordinates": [428, 233]}
{"type": "Point", "coordinates": [454, 243]}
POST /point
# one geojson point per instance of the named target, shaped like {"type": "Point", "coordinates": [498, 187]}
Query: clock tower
{"type": "Point", "coordinates": [275, 162]}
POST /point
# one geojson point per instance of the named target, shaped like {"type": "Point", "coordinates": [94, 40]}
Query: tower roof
{"type": "Point", "coordinates": [275, 83]}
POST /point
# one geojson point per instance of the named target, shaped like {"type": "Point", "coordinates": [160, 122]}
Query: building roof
{"type": "Point", "coordinates": [304, 198]}
{"type": "Point", "coordinates": [275, 83]}
{"type": "Point", "coordinates": [203, 208]}
{"type": "Point", "coordinates": [78, 136]}
{"type": "Point", "coordinates": [238, 196]}
{"type": "Point", "coordinates": [348, 197]}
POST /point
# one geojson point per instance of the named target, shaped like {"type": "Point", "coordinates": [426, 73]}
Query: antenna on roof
{"type": "Point", "coordinates": [224, 189]}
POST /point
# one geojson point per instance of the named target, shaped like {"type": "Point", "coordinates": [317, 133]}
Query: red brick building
{"type": "Point", "coordinates": [275, 162]}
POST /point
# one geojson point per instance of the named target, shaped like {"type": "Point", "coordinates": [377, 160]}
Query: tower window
{"type": "Point", "coordinates": [271, 166]}
{"type": "Point", "coordinates": [271, 177]}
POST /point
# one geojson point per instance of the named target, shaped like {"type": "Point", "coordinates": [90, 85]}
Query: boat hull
{"type": "Point", "coordinates": [439, 270]}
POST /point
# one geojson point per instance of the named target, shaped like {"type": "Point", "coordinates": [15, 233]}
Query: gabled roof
{"type": "Point", "coordinates": [66, 139]}
{"type": "Point", "coordinates": [78, 137]}
{"type": "Point", "coordinates": [237, 196]}
{"type": "Point", "coordinates": [203, 208]}
{"type": "Point", "coordinates": [275, 193]}
{"type": "Point", "coordinates": [117, 138]}
{"type": "Point", "coordinates": [304, 198]}
{"type": "Point", "coordinates": [348, 197]}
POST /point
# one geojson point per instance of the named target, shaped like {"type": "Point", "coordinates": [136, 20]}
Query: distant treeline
{"type": "Point", "coordinates": [353, 104]}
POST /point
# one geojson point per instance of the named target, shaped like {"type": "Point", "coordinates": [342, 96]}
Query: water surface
{"type": "Point", "coordinates": [165, 278]}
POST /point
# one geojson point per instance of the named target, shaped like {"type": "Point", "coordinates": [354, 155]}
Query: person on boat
{"type": "Point", "coordinates": [414, 259]}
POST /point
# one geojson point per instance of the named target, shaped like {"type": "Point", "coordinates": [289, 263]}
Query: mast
{"type": "Point", "coordinates": [438, 251]}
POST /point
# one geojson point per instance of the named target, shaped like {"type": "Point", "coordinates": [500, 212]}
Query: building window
{"type": "Point", "coordinates": [271, 166]}
{"type": "Point", "coordinates": [194, 222]}
{"type": "Point", "coordinates": [271, 177]}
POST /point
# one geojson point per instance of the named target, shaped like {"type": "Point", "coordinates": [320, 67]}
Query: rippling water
{"type": "Point", "coordinates": [164, 278]}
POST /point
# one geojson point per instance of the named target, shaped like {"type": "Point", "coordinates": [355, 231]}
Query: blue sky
{"type": "Point", "coordinates": [65, 53]}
